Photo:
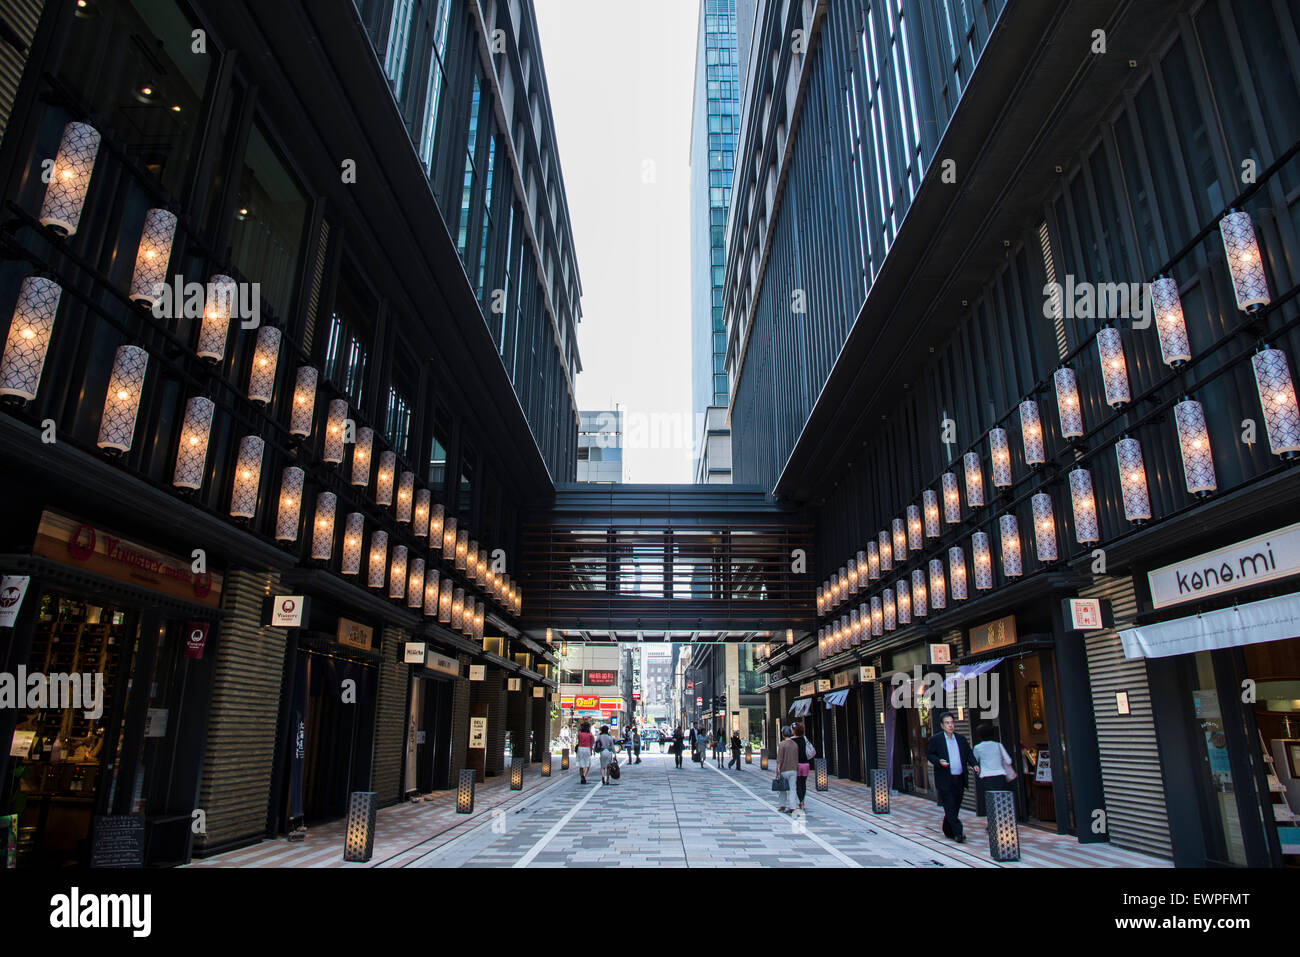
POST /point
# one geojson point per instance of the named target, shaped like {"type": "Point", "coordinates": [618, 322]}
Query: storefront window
{"type": "Point", "coordinates": [132, 62]}
{"type": "Point", "coordinates": [1274, 669]}
{"type": "Point", "coordinates": [1223, 831]}
{"type": "Point", "coordinates": [270, 219]}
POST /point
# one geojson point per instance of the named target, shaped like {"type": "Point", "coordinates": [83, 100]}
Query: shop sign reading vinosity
{"type": "Point", "coordinates": [1243, 565]}
{"type": "Point", "coordinates": [286, 611]}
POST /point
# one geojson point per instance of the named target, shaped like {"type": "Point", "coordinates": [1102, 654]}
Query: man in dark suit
{"type": "Point", "coordinates": [951, 755]}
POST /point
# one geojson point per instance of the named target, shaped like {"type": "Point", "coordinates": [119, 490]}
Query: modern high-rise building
{"type": "Point", "coordinates": [600, 446]}
{"type": "Point", "coordinates": [714, 124]}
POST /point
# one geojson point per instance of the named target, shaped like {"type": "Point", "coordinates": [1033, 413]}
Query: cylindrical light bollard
{"type": "Point", "coordinates": [762, 759]}
{"type": "Point", "coordinates": [879, 791]}
{"type": "Point", "coordinates": [823, 779]}
{"type": "Point", "coordinates": [1004, 833]}
{"type": "Point", "coordinates": [749, 754]}
{"type": "Point", "coordinates": [517, 774]}
{"type": "Point", "coordinates": [465, 792]}
{"type": "Point", "coordinates": [564, 759]}
{"type": "Point", "coordinates": [359, 843]}
{"type": "Point", "coordinates": [546, 763]}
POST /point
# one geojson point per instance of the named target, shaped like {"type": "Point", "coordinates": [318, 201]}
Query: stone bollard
{"type": "Point", "coordinates": [359, 843]}
{"type": "Point", "coordinates": [820, 773]}
{"type": "Point", "coordinates": [465, 792]}
{"type": "Point", "coordinates": [879, 791]}
{"type": "Point", "coordinates": [1004, 833]}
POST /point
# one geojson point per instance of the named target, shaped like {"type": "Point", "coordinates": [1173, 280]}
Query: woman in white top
{"type": "Point", "coordinates": [996, 770]}
{"type": "Point", "coordinates": [605, 745]}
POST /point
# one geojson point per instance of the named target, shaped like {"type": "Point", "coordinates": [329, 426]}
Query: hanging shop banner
{"type": "Point", "coordinates": [414, 653]}
{"type": "Point", "coordinates": [298, 736]}
{"type": "Point", "coordinates": [478, 732]}
{"type": "Point", "coordinates": [823, 684]}
{"type": "Point", "coordinates": [539, 692]}
{"type": "Point", "coordinates": [1243, 565]}
{"type": "Point", "coordinates": [94, 548]}
{"type": "Point", "coordinates": [866, 673]}
{"type": "Point", "coordinates": [1086, 614]}
{"type": "Point", "coordinates": [993, 634]}
{"type": "Point", "coordinates": [478, 672]}
{"type": "Point", "coordinates": [12, 590]}
{"type": "Point", "coordinates": [1269, 620]}
{"type": "Point", "coordinates": [807, 688]}
{"type": "Point", "coordinates": [354, 634]}
{"type": "Point", "coordinates": [441, 663]}
{"type": "Point", "coordinates": [196, 637]}
{"type": "Point", "coordinates": [940, 655]}
{"type": "Point", "coordinates": [287, 611]}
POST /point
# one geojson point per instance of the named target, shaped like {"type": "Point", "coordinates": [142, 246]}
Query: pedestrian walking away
{"type": "Point", "coordinates": [735, 750]}
{"type": "Point", "coordinates": [719, 746]}
{"type": "Point", "coordinates": [951, 755]}
{"type": "Point", "coordinates": [678, 744]}
{"type": "Point", "coordinates": [996, 768]}
{"type": "Point", "coordinates": [636, 744]}
{"type": "Point", "coordinates": [787, 768]}
{"type": "Point", "coordinates": [605, 745]}
{"type": "Point", "coordinates": [804, 767]}
{"type": "Point", "coordinates": [586, 741]}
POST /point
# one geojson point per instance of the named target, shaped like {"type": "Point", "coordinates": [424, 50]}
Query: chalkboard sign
{"type": "Point", "coordinates": [118, 841]}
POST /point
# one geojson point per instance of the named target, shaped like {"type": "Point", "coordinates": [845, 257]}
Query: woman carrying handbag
{"type": "Point", "coordinates": [805, 753]}
{"type": "Point", "coordinates": [787, 766]}
{"type": "Point", "coordinates": [996, 768]}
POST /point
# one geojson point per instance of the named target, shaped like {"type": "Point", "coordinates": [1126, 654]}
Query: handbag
{"type": "Point", "coordinates": [1008, 769]}
{"type": "Point", "coordinates": [779, 783]}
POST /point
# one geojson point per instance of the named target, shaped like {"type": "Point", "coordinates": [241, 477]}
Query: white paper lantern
{"type": "Point", "coordinates": [1031, 432]}
{"type": "Point", "coordinates": [1000, 458]}
{"type": "Point", "coordinates": [983, 559]}
{"type": "Point", "coordinates": [1084, 506]}
{"type": "Point", "coordinates": [430, 592]}
{"type": "Point", "coordinates": [886, 552]}
{"type": "Point", "coordinates": [900, 541]}
{"type": "Point", "coordinates": [122, 401]}
{"type": "Point", "coordinates": [437, 513]}
{"type": "Point", "coordinates": [152, 257]}
{"type": "Point", "coordinates": [889, 608]}
{"type": "Point", "coordinates": [384, 480]}
{"type": "Point", "coordinates": [1012, 565]}
{"type": "Point", "coordinates": [378, 558]}
{"type": "Point", "coordinates": [930, 509]}
{"type": "Point", "coordinates": [877, 616]}
{"type": "Point", "coordinates": [458, 608]}
{"type": "Point", "coordinates": [361, 454]}
{"type": "Point", "coordinates": [69, 182]}
{"type": "Point", "coordinates": [352, 532]}
{"type": "Point", "coordinates": [449, 538]}
{"type": "Point", "coordinates": [1175, 349]}
{"type": "Point", "coordinates": [248, 476]}
{"type": "Point", "coordinates": [304, 402]}
{"type": "Point", "coordinates": [445, 601]}
{"type": "Point", "coordinates": [951, 498]}
{"type": "Point", "coordinates": [322, 529]}
{"type": "Point", "coordinates": [920, 599]}
{"type": "Point", "coordinates": [266, 356]}
{"type": "Point", "coordinates": [397, 573]}
{"type": "Point", "coordinates": [1133, 480]}
{"type": "Point", "coordinates": [1194, 443]}
{"type": "Point", "coordinates": [214, 328]}
{"type": "Point", "coordinates": [192, 449]}
{"type": "Point", "coordinates": [462, 548]}
{"type": "Point", "coordinates": [1068, 408]}
{"type": "Point", "coordinates": [405, 495]}
{"type": "Point", "coordinates": [28, 342]}
{"type": "Point", "coordinates": [957, 572]}
{"type": "Point", "coordinates": [938, 589]}
{"type": "Point", "coordinates": [873, 561]}
{"type": "Point", "coordinates": [1244, 261]}
{"type": "Point", "coordinates": [420, 524]}
{"type": "Point", "coordinates": [903, 602]}
{"type": "Point", "coordinates": [286, 519]}
{"type": "Point", "coordinates": [1277, 398]}
{"type": "Point", "coordinates": [415, 584]}
{"type": "Point", "coordinates": [914, 532]}
{"type": "Point", "coordinates": [1044, 527]}
{"type": "Point", "coordinates": [1114, 367]}
{"type": "Point", "coordinates": [974, 480]}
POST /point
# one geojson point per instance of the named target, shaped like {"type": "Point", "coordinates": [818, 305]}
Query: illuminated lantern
{"type": "Point", "coordinates": [397, 573]}
{"type": "Point", "coordinates": [430, 592]}
{"type": "Point", "coordinates": [437, 513]}
{"type": "Point", "coordinates": [304, 402]}
{"type": "Point", "coordinates": [1067, 402]}
{"type": "Point", "coordinates": [1133, 480]}
{"type": "Point", "coordinates": [1114, 368]}
{"type": "Point", "coordinates": [938, 591]}
{"type": "Point", "coordinates": [65, 196]}
{"type": "Point", "coordinates": [361, 450]}
{"type": "Point", "coordinates": [336, 424]}
{"type": "Point", "coordinates": [153, 256]}
{"type": "Point", "coordinates": [877, 616]}
{"type": "Point", "coordinates": [974, 480]}
{"type": "Point", "coordinates": [914, 541]}
{"type": "Point", "coordinates": [420, 525]}
{"type": "Point", "coordinates": [1012, 566]}
{"type": "Point", "coordinates": [957, 572]}
{"type": "Point", "coordinates": [449, 538]}
{"type": "Point", "coordinates": [384, 480]}
{"type": "Point", "coordinates": [266, 356]}
{"type": "Point", "coordinates": [873, 561]}
{"type": "Point", "coordinates": [979, 543]}
{"type": "Point", "coordinates": [886, 553]}
{"type": "Point", "coordinates": [857, 619]}
{"type": "Point", "coordinates": [28, 341]}
{"type": "Point", "coordinates": [888, 607]}
{"type": "Point", "coordinates": [462, 548]}
{"type": "Point", "coordinates": [951, 499]}
{"type": "Point", "coordinates": [1244, 261]}
{"type": "Point", "coordinates": [122, 401]}
{"type": "Point", "coordinates": [286, 519]}
{"type": "Point", "coordinates": [458, 608]}
{"type": "Point", "coordinates": [1194, 443]}
{"type": "Point", "coordinates": [415, 584]}
{"type": "Point", "coordinates": [930, 507]}
{"type": "Point", "coordinates": [1175, 349]}
{"type": "Point", "coordinates": [248, 476]}
{"type": "Point", "coordinates": [1000, 458]}
{"type": "Point", "coordinates": [1031, 432]}
{"type": "Point", "coordinates": [445, 601]}
{"type": "Point", "coordinates": [352, 532]}
{"type": "Point", "coordinates": [920, 601]}
{"type": "Point", "coordinates": [405, 493]}
{"type": "Point", "coordinates": [853, 576]}
{"type": "Point", "coordinates": [1044, 528]}
{"type": "Point", "coordinates": [1278, 400]}
{"type": "Point", "coordinates": [903, 602]}
{"type": "Point", "coordinates": [192, 450]}
{"type": "Point", "coordinates": [322, 530]}
{"type": "Point", "coordinates": [1084, 506]}
{"type": "Point", "coordinates": [215, 326]}
{"type": "Point", "coordinates": [378, 558]}
{"type": "Point", "coordinates": [900, 541]}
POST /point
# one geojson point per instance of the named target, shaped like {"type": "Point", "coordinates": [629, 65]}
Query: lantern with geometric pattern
{"type": "Point", "coordinates": [192, 451]}
{"type": "Point", "coordinates": [286, 519]}
{"type": "Point", "coordinates": [28, 341]}
{"type": "Point", "coordinates": [1277, 398]}
{"type": "Point", "coordinates": [1194, 443]}
{"type": "Point", "coordinates": [248, 475]}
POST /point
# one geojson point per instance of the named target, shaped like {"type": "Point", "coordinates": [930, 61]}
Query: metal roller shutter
{"type": "Point", "coordinates": [1130, 762]}
{"type": "Point", "coordinates": [390, 718]}
{"type": "Point", "coordinates": [21, 16]}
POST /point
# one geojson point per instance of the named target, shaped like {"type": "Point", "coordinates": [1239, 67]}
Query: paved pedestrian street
{"type": "Point", "coordinates": [660, 816]}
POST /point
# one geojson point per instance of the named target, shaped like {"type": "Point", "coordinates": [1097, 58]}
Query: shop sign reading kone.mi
{"type": "Point", "coordinates": [94, 548]}
{"type": "Point", "coordinates": [1243, 565]}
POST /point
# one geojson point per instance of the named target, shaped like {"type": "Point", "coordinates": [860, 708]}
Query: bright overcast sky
{"type": "Point", "coordinates": [621, 76]}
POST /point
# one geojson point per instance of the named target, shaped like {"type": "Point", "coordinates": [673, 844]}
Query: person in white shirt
{"type": "Point", "coordinates": [951, 755]}
{"type": "Point", "coordinates": [996, 770]}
